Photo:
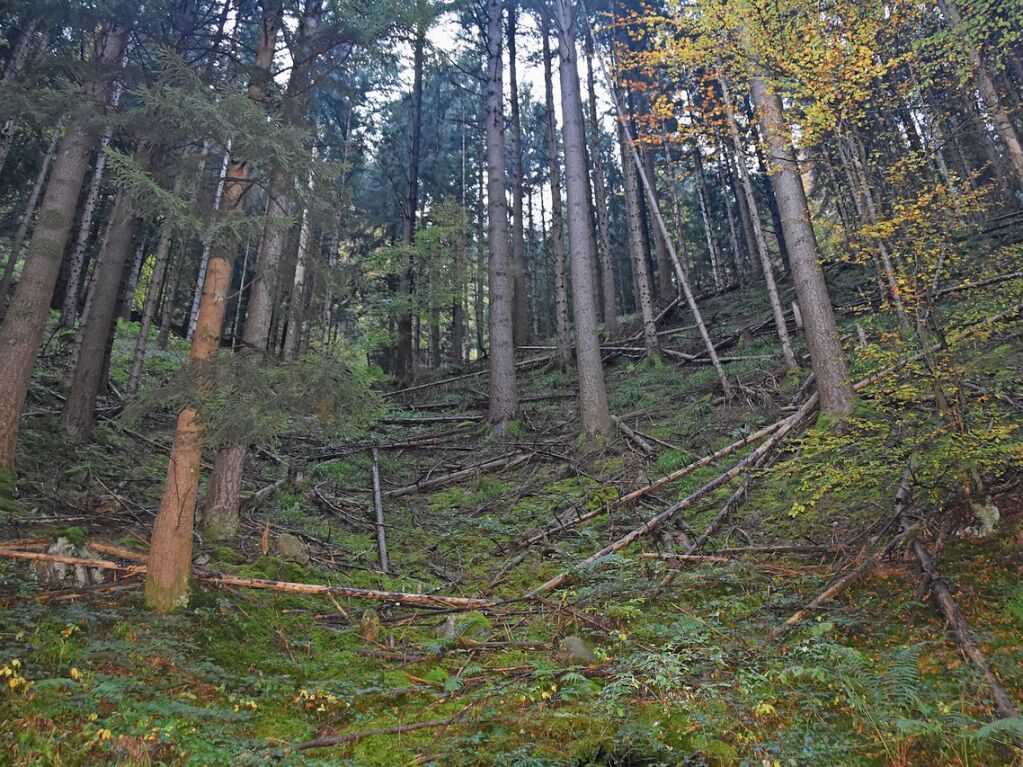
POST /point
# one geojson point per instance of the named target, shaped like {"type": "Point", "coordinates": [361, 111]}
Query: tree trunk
{"type": "Point", "coordinates": [665, 290]}
{"type": "Point", "coordinates": [26, 219]}
{"type": "Point", "coordinates": [15, 66]}
{"type": "Point", "coordinates": [637, 254]}
{"type": "Point", "coordinates": [563, 350]}
{"type": "Point", "coordinates": [826, 355]}
{"type": "Point", "coordinates": [128, 296]}
{"type": "Point", "coordinates": [170, 561]}
{"type": "Point", "coordinates": [988, 92]}
{"type": "Point", "coordinates": [607, 274]}
{"type": "Point", "coordinates": [593, 409]}
{"type": "Point", "coordinates": [96, 323]}
{"type": "Point", "coordinates": [296, 313]}
{"type": "Point", "coordinates": [73, 288]}
{"type": "Point", "coordinates": [404, 353]}
{"type": "Point", "coordinates": [767, 269]}
{"type": "Point", "coordinates": [520, 307]}
{"type": "Point", "coordinates": [708, 224]}
{"type": "Point", "coordinates": [25, 322]}
{"type": "Point", "coordinates": [223, 497]}
{"type": "Point", "coordinates": [503, 391]}
{"type": "Point", "coordinates": [204, 258]}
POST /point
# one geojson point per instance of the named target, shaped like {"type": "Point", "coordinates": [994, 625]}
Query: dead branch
{"type": "Point", "coordinates": [497, 464]}
{"type": "Point", "coordinates": [866, 563]}
{"type": "Point", "coordinates": [378, 509]}
{"type": "Point", "coordinates": [655, 522]}
{"type": "Point", "coordinates": [1004, 704]}
{"type": "Point", "coordinates": [523, 365]}
{"type": "Point", "coordinates": [632, 436]}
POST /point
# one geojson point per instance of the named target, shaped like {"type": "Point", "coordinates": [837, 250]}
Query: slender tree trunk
{"type": "Point", "coordinates": [607, 274]}
{"type": "Point", "coordinates": [520, 308]}
{"type": "Point", "coordinates": [665, 290]}
{"type": "Point", "coordinates": [26, 219]}
{"type": "Point", "coordinates": [708, 224]}
{"type": "Point", "coordinates": [204, 258]}
{"type": "Point", "coordinates": [170, 558]}
{"type": "Point", "coordinates": [15, 66]}
{"type": "Point", "coordinates": [767, 269]}
{"type": "Point", "coordinates": [738, 262]}
{"type": "Point", "coordinates": [988, 92]}
{"type": "Point", "coordinates": [503, 390]}
{"type": "Point", "coordinates": [634, 222]}
{"type": "Point", "coordinates": [73, 288]}
{"type": "Point", "coordinates": [223, 496]}
{"type": "Point", "coordinates": [593, 408]}
{"type": "Point", "coordinates": [404, 353]}
{"type": "Point", "coordinates": [25, 321]}
{"type": "Point", "coordinates": [170, 295]}
{"type": "Point", "coordinates": [481, 348]}
{"type": "Point", "coordinates": [128, 295]}
{"type": "Point", "coordinates": [562, 343]}
{"type": "Point", "coordinates": [826, 355]}
{"type": "Point", "coordinates": [100, 315]}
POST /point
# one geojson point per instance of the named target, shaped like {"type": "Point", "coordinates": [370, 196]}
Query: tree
{"type": "Point", "coordinates": [593, 408]}
{"type": "Point", "coordinates": [501, 352]}
{"type": "Point", "coordinates": [25, 321]}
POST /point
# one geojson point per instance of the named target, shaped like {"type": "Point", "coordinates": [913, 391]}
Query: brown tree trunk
{"type": "Point", "coordinates": [204, 257]}
{"type": "Point", "coordinates": [223, 497]}
{"type": "Point", "coordinates": [170, 561]}
{"type": "Point", "coordinates": [758, 234]}
{"type": "Point", "coordinates": [97, 321]}
{"type": "Point", "coordinates": [562, 343]}
{"type": "Point", "coordinates": [665, 290]}
{"type": "Point", "coordinates": [131, 283]}
{"type": "Point", "coordinates": [503, 391]}
{"type": "Point", "coordinates": [73, 288]}
{"type": "Point", "coordinates": [593, 409]}
{"type": "Point", "coordinates": [988, 92]}
{"type": "Point", "coordinates": [26, 219]}
{"type": "Point", "coordinates": [607, 274]}
{"type": "Point", "coordinates": [637, 254]}
{"type": "Point", "coordinates": [24, 323]}
{"type": "Point", "coordinates": [520, 307]}
{"type": "Point", "coordinates": [826, 355]}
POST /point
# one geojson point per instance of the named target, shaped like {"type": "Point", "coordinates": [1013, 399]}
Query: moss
{"type": "Point", "coordinates": [75, 535]}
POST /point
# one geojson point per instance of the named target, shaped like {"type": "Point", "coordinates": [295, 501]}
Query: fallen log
{"type": "Point", "coordinates": [506, 462]}
{"type": "Point", "coordinates": [1004, 704]}
{"type": "Point", "coordinates": [632, 436]}
{"type": "Point", "coordinates": [221, 579]}
{"type": "Point", "coordinates": [866, 563]}
{"type": "Point", "coordinates": [650, 488]}
{"type": "Point", "coordinates": [655, 522]}
{"type": "Point", "coordinates": [686, 557]}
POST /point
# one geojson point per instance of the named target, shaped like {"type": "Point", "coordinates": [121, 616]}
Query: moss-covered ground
{"type": "Point", "coordinates": [685, 671]}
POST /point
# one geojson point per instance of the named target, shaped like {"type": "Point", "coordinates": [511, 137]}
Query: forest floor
{"type": "Point", "coordinates": [640, 660]}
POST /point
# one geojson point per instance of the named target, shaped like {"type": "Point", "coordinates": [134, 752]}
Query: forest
{"type": "Point", "coordinates": [511, 382]}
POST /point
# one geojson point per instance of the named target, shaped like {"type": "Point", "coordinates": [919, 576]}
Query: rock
{"type": "Point", "coordinates": [288, 546]}
{"type": "Point", "coordinates": [575, 650]}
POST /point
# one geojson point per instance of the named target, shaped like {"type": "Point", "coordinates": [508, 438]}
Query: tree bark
{"type": "Point", "coordinates": [777, 311]}
{"type": "Point", "coordinates": [25, 321]}
{"type": "Point", "coordinates": [73, 288]}
{"type": "Point", "coordinates": [637, 253]}
{"type": "Point", "coordinates": [826, 355]}
{"type": "Point", "coordinates": [593, 409]}
{"type": "Point", "coordinates": [607, 274]}
{"type": "Point", "coordinates": [503, 391]}
{"type": "Point", "coordinates": [97, 321]}
{"type": "Point", "coordinates": [520, 307]}
{"type": "Point", "coordinates": [26, 219]}
{"type": "Point", "coordinates": [563, 350]}
{"type": "Point", "coordinates": [204, 258]}
{"type": "Point", "coordinates": [988, 92]}
{"type": "Point", "coordinates": [167, 579]}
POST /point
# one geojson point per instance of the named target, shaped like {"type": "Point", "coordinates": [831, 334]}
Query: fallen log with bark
{"type": "Point", "coordinates": [497, 464]}
{"type": "Point", "coordinates": [222, 579]}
